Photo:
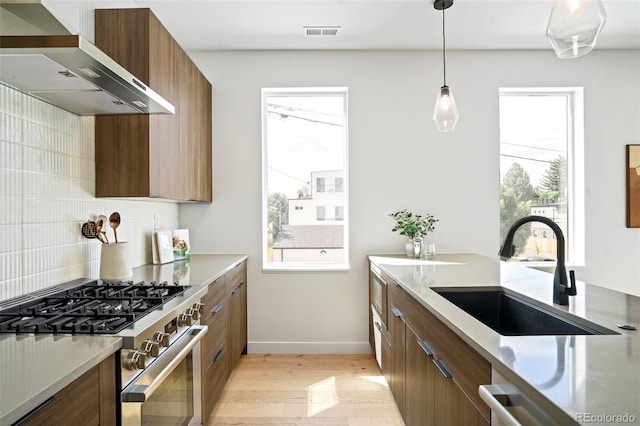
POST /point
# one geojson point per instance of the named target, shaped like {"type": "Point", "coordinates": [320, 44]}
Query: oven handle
{"type": "Point", "coordinates": [146, 383]}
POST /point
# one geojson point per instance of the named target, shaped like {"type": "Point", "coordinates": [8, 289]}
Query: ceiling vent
{"type": "Point", "coordinates": [320, 31]}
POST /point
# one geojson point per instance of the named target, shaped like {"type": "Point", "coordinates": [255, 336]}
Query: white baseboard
{"type": "Point", "coordinates": [309, 348]}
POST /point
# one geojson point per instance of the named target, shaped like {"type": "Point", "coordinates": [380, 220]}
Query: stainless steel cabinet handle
{"type": "Point", "coordinates": [378, 326]}
{"type": "Point", "coordinates": [216, 309]}
{"type": "Point", "coordinates": [217, 355]}
{"type": "Point", "coordinates": [235, 290]}
{"type": "Point", "coordinates": [442, 369]}
{"type": "Point", "coordinates": [497, 400]}
{"type": "Point", "coordinates": [397, 312]}
{"type": "Point", "coordinates": [425, 348]}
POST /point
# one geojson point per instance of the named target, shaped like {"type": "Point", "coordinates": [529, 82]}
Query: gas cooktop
{"type": "Point", "coordinates": [95, 307]}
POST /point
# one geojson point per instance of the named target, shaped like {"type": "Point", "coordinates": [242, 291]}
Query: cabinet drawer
{"type": "Point", "coordinates": [468, 368]}
{"type": "Point", "coordinates": [216, 335]}
{"type": "Point", "coordinates": [236, 276]}
{"type": "Point", "coordinates": [215, 296]}
{"type": "Point", "coordinates": [214, 380]}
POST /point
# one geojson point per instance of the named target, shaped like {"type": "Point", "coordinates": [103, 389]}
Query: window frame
{"type": "Point", "coordinates": [575, 253]}
{"type": "Point", "coordinates": [300, 266]}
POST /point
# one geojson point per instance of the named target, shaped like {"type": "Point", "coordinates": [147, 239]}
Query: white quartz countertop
{"type": "Point", "coordinates": [575, 379]}
{"type": "Point", "coordinates": [34, 368]}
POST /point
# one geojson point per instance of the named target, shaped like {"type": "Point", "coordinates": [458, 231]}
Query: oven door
{"type": "Point", "coordinates": [168, 391]}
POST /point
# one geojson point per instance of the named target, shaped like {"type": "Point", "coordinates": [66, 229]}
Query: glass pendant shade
{"type": "Point", "coordinates": [445, 114]}
{"type": "Point", "coordinates": [574, 26]}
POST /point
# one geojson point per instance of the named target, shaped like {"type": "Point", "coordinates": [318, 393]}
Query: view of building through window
{"type": "Point", "coordinates": [536, 165]}
{"type": "Point", "coordinates": [305, 174]}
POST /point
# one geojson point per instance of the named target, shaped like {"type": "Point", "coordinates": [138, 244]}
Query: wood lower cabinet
{"type": "Point", "coordinates": [420, 385]}
{"type": "Point", "coordinates": [453, 406]}
{"type": "Point", "coordinates": [434, 374]}
{"type": "Point", "coordinates": [214, 360]}
{"type": "Point", "coordinates": [159, 155]}
{"type": "Point", "coordinates": [397, 334]}
{"type": "Point", "coordinates": [237, 324]}
{"type": "Point", "coordinates": [89, 400]}
{"type": "Point", "coordinates": [225, 313]}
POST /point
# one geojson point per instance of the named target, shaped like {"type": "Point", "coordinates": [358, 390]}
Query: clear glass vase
{"type": "Point", "coordinates": [418, 247]}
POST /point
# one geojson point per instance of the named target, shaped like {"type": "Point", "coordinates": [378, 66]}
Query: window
{"type": "Point", "coordinates": [541, 169]}
{"type": "Point", "coordinates": [305, 211]}
{"type": "Point", "coordinates": [320, 213]}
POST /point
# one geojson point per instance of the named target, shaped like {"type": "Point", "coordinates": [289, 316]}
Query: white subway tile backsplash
{"type": "Point", "coordinates": [47, 190]}
{"type": "Point", "coordinates": [10, 265]}
{"type": "Point", "coordinates": [11, 288]}
{"type": "Point", "coordinates": [11, 240]}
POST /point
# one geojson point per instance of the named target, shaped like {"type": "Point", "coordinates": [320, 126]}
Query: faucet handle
{"type": "Point", "coordinates": [571, 289]}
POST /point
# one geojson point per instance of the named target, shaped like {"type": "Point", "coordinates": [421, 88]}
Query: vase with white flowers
{"type": "Point", "coordinates": [415, 227]}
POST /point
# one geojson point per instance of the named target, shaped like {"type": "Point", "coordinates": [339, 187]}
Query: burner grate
{"type": "Point", "coordinates": [94, 308]}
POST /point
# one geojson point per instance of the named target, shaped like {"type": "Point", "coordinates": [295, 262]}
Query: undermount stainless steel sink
{"type": "Point", "coordinates": [510, 315]}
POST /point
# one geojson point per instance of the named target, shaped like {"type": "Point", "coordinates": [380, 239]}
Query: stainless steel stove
{"type": "Point", "coordinates": [159, 325]}
{"type": "Point", "coordinates": [90, 308]}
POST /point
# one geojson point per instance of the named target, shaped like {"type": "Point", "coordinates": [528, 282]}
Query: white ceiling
{"type": "Point", "coordinates": [371, 24]}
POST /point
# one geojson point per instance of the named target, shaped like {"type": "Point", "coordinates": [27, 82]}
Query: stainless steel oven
{"type": "Point", "coordinates": [168, 391]}
{"type": "Point", "coordinates": [379, 293]}
{"type": "Point", "coordinates": [159, 381]}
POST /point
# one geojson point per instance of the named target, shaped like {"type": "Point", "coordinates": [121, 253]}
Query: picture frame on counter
{"type": "Point", "coordinates": [170, 246]}
{"type": "Point", "coordinates": [162, 247]}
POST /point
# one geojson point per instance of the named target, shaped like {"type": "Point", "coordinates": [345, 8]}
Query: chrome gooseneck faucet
{"type": "Point", "coordinates": [561, 289]}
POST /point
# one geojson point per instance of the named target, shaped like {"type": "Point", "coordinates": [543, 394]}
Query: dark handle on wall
{"type": "Point", "coordinates": [378, 326]}
{"type": "Point", "coordinates": [217, 355]}
{"type": "Point", "coordinates": [425, 348]}
{"type": "Point", "coordinates": [442, 369]}
{"type": "Point", "coordinates": [397, 312]}
{"type": "Point", "coordinates": [235, 290]}
{"type": "Point", "coordinates": [216, 309]}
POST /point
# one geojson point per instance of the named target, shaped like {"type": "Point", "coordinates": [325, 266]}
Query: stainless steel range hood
{"type": "Point", "coordinates": [69, 72]}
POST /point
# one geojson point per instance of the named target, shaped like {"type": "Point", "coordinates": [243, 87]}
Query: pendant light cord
{"type": "Point", "coordinates": [444, 49]}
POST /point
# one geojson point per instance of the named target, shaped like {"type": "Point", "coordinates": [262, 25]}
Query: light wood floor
{"type": "Point", "coordinates": [306, 390]}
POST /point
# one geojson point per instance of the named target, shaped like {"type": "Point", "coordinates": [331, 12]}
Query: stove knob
{"type": "Point", "coordinates": [163, 338]}
{"type": "Point", "coordinates": [199, 308]}
{"type": "Point", "coordinates": [151, 348]}
{"type": "Point", "coordinates": [136, 360]}
{"type": "Point", "coordinates": [185, 319]}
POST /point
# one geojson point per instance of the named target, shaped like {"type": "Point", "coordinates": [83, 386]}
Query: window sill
{"type": "Point", "coordinates": [303, 268]}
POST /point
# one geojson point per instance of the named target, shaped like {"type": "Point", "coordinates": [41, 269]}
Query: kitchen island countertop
{"type": "Point", "coordinates": [35, 367]}
{"type": "Point", "coordinates": [592, 379]}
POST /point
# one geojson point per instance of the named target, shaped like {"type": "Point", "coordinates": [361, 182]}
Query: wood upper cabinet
{"type": "Point", "coordinates": [158, 155]}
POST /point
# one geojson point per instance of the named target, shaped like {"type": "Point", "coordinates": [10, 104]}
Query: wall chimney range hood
{"type": "Point", "coordinates": [70, 72]}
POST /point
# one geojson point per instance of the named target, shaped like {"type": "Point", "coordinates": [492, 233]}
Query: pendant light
{"type": "Point", "coordinates": [574, 26]}
{"type": "Point", "coordinates": [445, 114]}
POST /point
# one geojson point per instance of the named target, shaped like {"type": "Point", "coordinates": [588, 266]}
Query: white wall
{"type": "Point", "coordinates": [397, 159]}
